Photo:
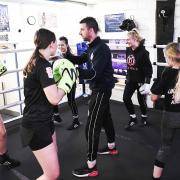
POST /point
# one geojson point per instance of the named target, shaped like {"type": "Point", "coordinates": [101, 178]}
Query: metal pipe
{"type": "Point", "coordinates": [18, 79]}
{"type": "Point", "coordinates": [159, 46]}
{"type": "Point", "coordinates": [160, 64]}
{"type": "Point", "coordinates": [11, 105]}
{"type": "Point", "coordinates": [11, 90]}
{"type": "Point", "coordinates": [15, 50]}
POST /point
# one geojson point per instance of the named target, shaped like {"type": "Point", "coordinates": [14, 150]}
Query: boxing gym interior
{"type": "Point", "coordinates": [158, 23]}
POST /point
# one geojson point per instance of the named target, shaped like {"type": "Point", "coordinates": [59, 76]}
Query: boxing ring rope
{"type": "Point", "coordinates": [18, 89]}
{"type": "Point", "coordinates": [155, 46]}
{"type": "Point", "coordinates": [20, 102]}
{"type": "Point", "coordinates": [160, 64]}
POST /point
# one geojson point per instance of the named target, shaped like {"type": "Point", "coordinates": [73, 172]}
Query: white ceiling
{"type": "Point", "coordinates": [93, 1]}
{"type": "Point", "coordinates": [85, 2]}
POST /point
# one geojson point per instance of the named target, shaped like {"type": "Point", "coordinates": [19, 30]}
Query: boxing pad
{"type": "Point", "coordinates": [65, 74]}
{"type": "Point", "coordinates": [145, 89]}
{"type": "Point", "coordinates": [3, 69]}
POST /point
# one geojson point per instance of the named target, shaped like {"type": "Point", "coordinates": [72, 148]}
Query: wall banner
{"type": "Point", "coordinates": [4, 19]}
{"type": "Point", "coordinates": [112, 22]}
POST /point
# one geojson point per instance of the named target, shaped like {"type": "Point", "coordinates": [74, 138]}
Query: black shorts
{"type": "Point", "coordinates": [37, 138]}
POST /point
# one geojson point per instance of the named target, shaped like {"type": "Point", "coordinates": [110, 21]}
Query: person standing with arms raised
{"type": "Point", "coordinates": [63, 48]}
{"type": "Point", "coordinates": [101, 82]}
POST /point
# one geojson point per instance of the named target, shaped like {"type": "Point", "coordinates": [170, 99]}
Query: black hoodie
{"type": "Point", "coordinates": [100, 75]}
{"type": "Point", "coordinates": [139, 68]}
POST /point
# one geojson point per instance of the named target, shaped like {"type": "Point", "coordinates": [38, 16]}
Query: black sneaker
{"type": "Point", "coordinates": [143, 121]}
{"type": "Point", "coordinates": [107, 151]}
{"type": "Point", "coordinates": [57, 119]}
{"type": "Point", "coordinates": [5, 160]}
{"type": "Point", "coordinates": [131, 123]}
{"type": "Point", "coordinates": [85, 171]}
{"type": "Point", "coordinates": [73, 126]}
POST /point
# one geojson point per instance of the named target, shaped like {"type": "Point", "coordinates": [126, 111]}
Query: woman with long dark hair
{"type": "Point", "coordinates": [41, 94]}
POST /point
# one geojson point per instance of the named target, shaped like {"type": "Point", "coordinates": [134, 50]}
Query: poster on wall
{"type": "Point", "coordinates": [4, 19]}
{"type": "Point", "coordinates": [118, 54]}
{"type": "Point", "coordinates": [119, 62]}
{"type": "Point", "coordinates": [47, 20]}
{"type": "Point", "coordinates": [112, 22]}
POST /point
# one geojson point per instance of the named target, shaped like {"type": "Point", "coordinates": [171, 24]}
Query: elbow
{"type": "Point", "coordinates": [54, 101]}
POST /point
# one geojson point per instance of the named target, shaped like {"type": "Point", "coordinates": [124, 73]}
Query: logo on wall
{"type": "Point", "coordinates": [4, 19]}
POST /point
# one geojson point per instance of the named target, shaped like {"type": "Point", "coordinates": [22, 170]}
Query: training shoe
{"type": "Point", "coordinates": [143, 121]}
{"type": "Point", "coordinates": [85, 171]}
{"type": "Point", "coordinates": [5, 160]}
{"type": "Point", "coordinates": [57, 118]}
{"type": "Point", "coordinates": [107, 151]}
{"type": "Point", "coordinates": [131, 123]}
{"type": "Point", "coordinates": [73, 126]}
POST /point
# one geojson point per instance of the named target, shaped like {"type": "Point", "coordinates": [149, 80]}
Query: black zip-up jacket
{"type": "Point", "coordinates": [100, 75]}
{"type": "Point", "coordinates": [139, 68]}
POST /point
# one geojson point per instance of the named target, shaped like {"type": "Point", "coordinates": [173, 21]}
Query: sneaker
{"type": "Point", "coordinates": [106, 150]}
{"type": "Point", "coordinates": [131, 123]}
{"type": "Point", "coordinates": [5, 160]}
{"type": "Point", "coordinates": [57, 119]}
{"type": "Point", "coordinates": [85, 171]}
{"type": "Point", "coordinates": [73, 126]}
{"type": "Point", "coordinates": [143, 121]}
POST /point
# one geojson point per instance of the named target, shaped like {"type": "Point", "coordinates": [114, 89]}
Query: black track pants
{"type": "Point", "coordinates": [98, 116]}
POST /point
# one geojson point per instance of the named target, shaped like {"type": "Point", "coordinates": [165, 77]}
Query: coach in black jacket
{"type": "Point", "coordinates": [101, 81]}
{"type": "Point", "coordinates": [139, 73]}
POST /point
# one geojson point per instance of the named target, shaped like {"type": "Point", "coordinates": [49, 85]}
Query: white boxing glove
{"type": "Point", "coordinates": [145, 89]}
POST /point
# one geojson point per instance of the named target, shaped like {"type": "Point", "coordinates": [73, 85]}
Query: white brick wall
{"type": "Point", "coordinates": [177, 20]}
{"type": "Point", "coordinates": [68, 25]}
{"type": "Point", "coordinates": [144, 15]}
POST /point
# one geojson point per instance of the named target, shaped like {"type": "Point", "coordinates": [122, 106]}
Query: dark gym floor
{"type": "Point", "coordinates": [137, 149]}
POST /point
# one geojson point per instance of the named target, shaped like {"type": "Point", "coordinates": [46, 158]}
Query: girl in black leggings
{"type": "Point", "coordinates": [139, 72]}
{"type": "Point", "coordinates": [64, 48]}
{"type": "Point", "coordinates": [169, 85]}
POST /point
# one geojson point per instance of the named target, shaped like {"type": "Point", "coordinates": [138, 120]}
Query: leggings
{"type": "Point", "coordinates": [71, 102]}
{"type": "Point", "coordinates": [129, 90]}
{"type": "Point", "coordinates": [169, 124]}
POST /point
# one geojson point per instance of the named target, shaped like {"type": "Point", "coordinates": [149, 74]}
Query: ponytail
{"type": "Point", "coordinates": [42, 39]}
{"type": "Point", "coordinates": [32, 62]}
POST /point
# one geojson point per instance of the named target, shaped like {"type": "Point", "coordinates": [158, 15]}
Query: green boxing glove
{"type": "Point", "coordinates": [56, 73]}
{"type": "Point", "coordinates": [3, 69]}
{"type": "Point", "coordinates": [65, 74]}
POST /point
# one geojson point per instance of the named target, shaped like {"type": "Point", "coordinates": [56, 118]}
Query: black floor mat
{"type": "Point", "coordinates": [137, 149]}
